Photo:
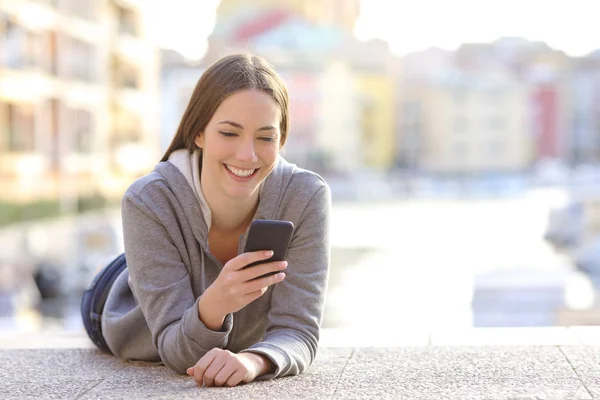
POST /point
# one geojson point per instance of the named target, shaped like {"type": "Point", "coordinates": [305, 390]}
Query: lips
{"type": "Point", "coordinates": [242, 173]}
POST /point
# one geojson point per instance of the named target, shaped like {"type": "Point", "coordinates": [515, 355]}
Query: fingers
{"type": "Point", "coordinates": [262, 269]}
{"type": "Point", "coordinates": [244, 259]}
{"type": "Point", "coordinates": [214, 369]}
{"type": "Point", "coordinates": [235, 378]}
{"type": "Point", "coordinates": [263, 283]}
{"type": "Point", "coordinates": [220, 367]}
{"type": "Point", "coordinates": [224, 374]}
{"type": "Point", "coordinates": [201, 366]}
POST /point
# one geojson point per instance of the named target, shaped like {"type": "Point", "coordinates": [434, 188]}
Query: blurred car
{"type": "Point", "coordinates": [566, 225]}
{"type": "Point", "coordinates": [587, 259]}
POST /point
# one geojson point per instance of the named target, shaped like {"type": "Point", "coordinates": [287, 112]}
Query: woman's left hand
{"type": "Point", "coordinates": [221, 367]}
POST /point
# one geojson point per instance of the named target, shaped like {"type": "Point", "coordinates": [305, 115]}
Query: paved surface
{"type": "Point", "coordinates": [73, 369]}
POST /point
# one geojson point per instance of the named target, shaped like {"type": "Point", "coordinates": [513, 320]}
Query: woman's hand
{"type": "Point", "coordinates": [221, 367]}
{"type": "Point", "coordinates": [236, 287]}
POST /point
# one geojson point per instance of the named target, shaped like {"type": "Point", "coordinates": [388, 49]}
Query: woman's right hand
{"type": "Point", "coordinates": [236, 287]}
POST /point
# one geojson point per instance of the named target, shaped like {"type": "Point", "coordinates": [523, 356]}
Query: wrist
{"type": "Point", "coordinates": [209, 313]}
{"type": "Point", "coordinates": [263, 364]}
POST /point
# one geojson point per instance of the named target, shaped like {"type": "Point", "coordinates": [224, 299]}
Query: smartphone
{"type": "Point", "coordinates": [268, 234]}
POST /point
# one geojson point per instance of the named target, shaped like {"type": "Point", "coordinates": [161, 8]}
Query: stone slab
{"type": "Point", "coordinates": [586, 364]}
{"type": "Point", "coordinates": [460, 373]}
{"type": "Point", "coordinates": [426, 372]}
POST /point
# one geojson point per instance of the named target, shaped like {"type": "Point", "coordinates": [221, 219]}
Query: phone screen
{"type": "Point", "coordinates": [272, 235]}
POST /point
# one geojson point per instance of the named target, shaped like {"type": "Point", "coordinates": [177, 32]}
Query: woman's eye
{"type": "Point", "coordinates": [266, 139]}
{"type": "Point", "coordinates": [228, 134]}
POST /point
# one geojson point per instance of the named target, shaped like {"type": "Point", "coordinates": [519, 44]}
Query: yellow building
{"type": "Point", "coordinates": [376, 109]}
{"type": "Point", "coordinates": [78, 98]}
{"type": "Point", "coordinates": [376, 102]}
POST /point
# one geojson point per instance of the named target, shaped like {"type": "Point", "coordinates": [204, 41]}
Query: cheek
{"type": "Point", "coordinates": [270, 154]}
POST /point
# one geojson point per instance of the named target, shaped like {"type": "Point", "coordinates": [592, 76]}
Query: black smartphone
{"type": "Point", "coordinates": [268, 234]}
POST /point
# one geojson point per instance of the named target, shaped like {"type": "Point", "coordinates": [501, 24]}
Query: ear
{"type": "Point", "coordinates": [199, 140]}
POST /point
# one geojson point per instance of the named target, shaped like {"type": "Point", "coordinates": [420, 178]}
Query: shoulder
{"type": "Point", "coordinates": [302, 181]}
{"type": "Point", "coordinates": [156, 186]}
{"type": "Point", "coordinates": [301, 189]}
{"type": "Point", "coordinates": [144, 183]}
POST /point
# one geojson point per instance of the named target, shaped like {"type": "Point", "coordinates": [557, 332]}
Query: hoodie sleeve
{"type": "Point", "coordinates": [297, 303]}
{"type": "Point", "coordinates": [161, 282]}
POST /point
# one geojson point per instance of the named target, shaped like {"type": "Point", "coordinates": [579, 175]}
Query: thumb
{"type": "Point", "coordinates": [190, 371]}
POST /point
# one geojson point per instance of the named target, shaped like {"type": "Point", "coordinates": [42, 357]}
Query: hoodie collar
{"type": "Point", "coordinates": [188, 163]}
{"type": "Point", "coordinates": [182, 172]}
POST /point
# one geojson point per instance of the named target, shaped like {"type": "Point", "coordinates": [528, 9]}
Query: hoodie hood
{"type": "Point", "coordinates": [188, 163]}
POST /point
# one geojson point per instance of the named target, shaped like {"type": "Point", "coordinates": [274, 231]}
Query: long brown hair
{"type": "Point", "coordinates": [223, 78]}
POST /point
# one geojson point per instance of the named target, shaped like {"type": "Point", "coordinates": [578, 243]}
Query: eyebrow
{"type": "Point", "coordinates": [235, 124]}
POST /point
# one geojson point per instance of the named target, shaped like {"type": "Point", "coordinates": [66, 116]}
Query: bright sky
{"type": "Point", "coordinates": [182, 25]}
{"type": "Point", "coordinates": [412, 25]}
{"type": "Point", "coordinates": [568, 25]}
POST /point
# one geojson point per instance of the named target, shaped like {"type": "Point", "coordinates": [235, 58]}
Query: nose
{"type": "Point", "coordinates": [245, 151]}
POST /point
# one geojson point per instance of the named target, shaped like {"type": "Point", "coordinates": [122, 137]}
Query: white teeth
{"type": "Point", "coordinates": [242, 173]}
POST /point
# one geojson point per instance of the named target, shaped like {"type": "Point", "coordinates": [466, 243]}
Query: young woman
{"type": "Point", "coordinates": [185, 299]}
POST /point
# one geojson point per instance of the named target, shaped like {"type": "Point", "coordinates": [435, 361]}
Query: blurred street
{"type": "Point", "coordinates": [447, 263]}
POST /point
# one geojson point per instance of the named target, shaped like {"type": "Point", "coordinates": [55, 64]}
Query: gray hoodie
{"type": "Point", "coordinates": [151, 313]}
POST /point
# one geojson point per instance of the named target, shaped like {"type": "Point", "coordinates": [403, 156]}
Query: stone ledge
{"type": "Point", "coordinates": [428, 372]}
{"type": "Point", "coordinates": [73, 369]}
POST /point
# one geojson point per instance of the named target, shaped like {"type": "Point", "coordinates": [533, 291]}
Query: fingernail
{"type": "Point", "coordinates": [280, 275]}
{"type": "Point", "coordinates": [269, 253]}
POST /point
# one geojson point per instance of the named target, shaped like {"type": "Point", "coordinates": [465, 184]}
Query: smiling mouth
{"type": "Point", "coordinates": [241, 173]}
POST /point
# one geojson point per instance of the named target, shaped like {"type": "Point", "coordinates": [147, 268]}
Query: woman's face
{"type": "Point", "coordinates": [240, 144]}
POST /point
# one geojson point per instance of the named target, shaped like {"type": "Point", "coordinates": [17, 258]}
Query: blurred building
{"type": "Point", "coordinates": [411, 86]}
{"type": "Point", "coordinates": [464, 116]}
{"type": "Point", "coordinates": [495, 108]}
{"type": "Point", "coordinates": [545, 99]}
{"type": "Point", "coordinates": [372, 64]}
{"type": "Point", "coordinates": [339, 13]}
{"type": "Point", "coordinates": [342, 93]}
{"type": "Point", "coordinates": [583, 145]}
{"type": "Point", "coordinates": [78, 98]}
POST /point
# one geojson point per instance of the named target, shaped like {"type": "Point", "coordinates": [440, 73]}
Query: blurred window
{"type": "Point", "coordinates": [460, 150]}
{"type": "Point", "coordinates": [19, 46]}
{"type": "Point", "coordinates": [496, 95]}
{"type": "Point", "coordinates": [497, 149]}
{"type": "Point", "coordinates": [83, 130]}
{"type": "Point", "coordinates": [128, 127]}
{"type": "Point", "coordinates": [85, 9]}
{"type": "Point", "coordinates": [127, 20]}
{"type": "Point", "coordinates": [21, 127]}
{"type": "Point", "coordinates": [82, 60]}
{"type": "Point", "coordinates": [460, 124]}
{"type": "Point", "coordinates": [497, 123]}
{"type": "Point", "coordinates": [126, 75]}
